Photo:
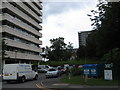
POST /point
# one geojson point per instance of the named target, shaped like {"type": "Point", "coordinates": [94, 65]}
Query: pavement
{"type": "Point", "coordinates": [0, 82]}
{"type": "Point", "coordinates": [75, 86]}
{"type": "Point", "coordinates": [56, 84]}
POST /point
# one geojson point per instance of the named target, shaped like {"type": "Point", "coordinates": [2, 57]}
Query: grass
{"type": "Point", "coordinates": [71, 62]}
{"type": "Point", "coordinates": [91, 81]}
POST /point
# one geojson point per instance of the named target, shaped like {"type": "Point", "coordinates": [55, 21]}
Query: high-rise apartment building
{"type": "Point", "coordinates": [20, 28]}
{"type": "Point", "coordinates": [82, 36]}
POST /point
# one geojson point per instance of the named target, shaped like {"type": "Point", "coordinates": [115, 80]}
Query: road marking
{"type": "Point", "coordinates": [65, 84]}
{"type": "Point", "coordinates": [42, 83]}
{"type": "Point", "coordinates": [76, 86]}
{"type": "Point", "coordinates": [39, 86]}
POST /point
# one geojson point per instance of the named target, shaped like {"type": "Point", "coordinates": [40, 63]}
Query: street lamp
{"type": "Point", "coordinates": [15, 55]}
{"type": "Point", "coordinates": [86, 74]}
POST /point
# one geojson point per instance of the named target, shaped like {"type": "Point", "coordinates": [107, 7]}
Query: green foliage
{"type": "Point", "coordinates": [105, 37]}
{"type": "Point", "coordinates": [76, 71]}
{"type": "Point", "coordinates": [59, 50]}
{"type": "Point", "coordinates": [112, 56]}
{"type": "Point", "coordinates": [58, 43]}
{"type": "Point", "coordinates": [81, 52]}
{"type": "Point", "coordinates": [70, 62]}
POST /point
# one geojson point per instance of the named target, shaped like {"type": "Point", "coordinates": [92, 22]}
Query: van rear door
{"type": "Point", "coordinates": [10, 72]}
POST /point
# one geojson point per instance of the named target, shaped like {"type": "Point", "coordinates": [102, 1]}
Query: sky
{"type": "Point", "coordinates": [65, 18]}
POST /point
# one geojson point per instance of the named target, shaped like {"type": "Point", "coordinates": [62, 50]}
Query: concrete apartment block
{"type": "Point", "coordinates": [82, 36]}
{"type": "Point", "coordinates": [20, 30]}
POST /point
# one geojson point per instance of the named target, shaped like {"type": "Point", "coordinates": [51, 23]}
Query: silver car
{"type": "Point", "coordinates": [52, 73]}
{"type": "Point", "coordinates": [42, 70]}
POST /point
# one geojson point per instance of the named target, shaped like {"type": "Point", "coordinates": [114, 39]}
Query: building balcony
{"type": "Point", "coordinates": [21, 45]}
{"type": "Point", "coordinates": [28, 10]}
{"type": "Point", "coordinates": [24, 36]}
{"type": "Point", "coordinates": [31, 5]}
{"type": "Point", "coordinates": [22, 15]}
{"type": "Point", "coordinates": [38, 4]}
{"type": "Point", "coordinates": [20, 24]}
{"type": "Point", "coordinates": [23, 56]}
{"type": "Point", "coordinates": [0, 17]}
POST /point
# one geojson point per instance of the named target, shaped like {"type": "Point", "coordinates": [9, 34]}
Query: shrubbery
{"type": "Point", "coordinates": [76, 71]}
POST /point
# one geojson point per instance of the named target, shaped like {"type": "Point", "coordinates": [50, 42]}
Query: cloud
{"type": "Point", "coordinates": [65, 23]}
{"type": "Point", "coordinates": [51, 8]}
{"type": "Point", "coordinates": [57, 8]}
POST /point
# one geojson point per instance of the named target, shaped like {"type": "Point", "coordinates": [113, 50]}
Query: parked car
{"type": "Point", "coordinates": [49, 67]}
{"type": "Point", "coordinates": [43, 68]}
{"type": "Point", "coordinates": [63, 70]}
{"type": "Point", "coordinates": [59, 68]}
{"type": "Point", "coordinates": [52, 73]}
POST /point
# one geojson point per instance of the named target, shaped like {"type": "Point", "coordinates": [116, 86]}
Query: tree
{"type": "Point", "coordinates": [112, 56]}
{"type": "Point", "coordinates": [59, 50]}
{"type": "Point", "coordinates": [69, 51]}
{"type": "Point", "coordinates": [57, 47]}
{"type": "Point", "coordinates": [106, 22]}
{"type": "Point", "coordinates": [81, 52]}
{"type": "Point", "coordinates": [91, 45]}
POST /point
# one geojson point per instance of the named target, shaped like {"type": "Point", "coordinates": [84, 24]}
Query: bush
{"type": "Point", "coordinates": [113, 56]}
{"type": "Point", "coordinates": [76, 71]}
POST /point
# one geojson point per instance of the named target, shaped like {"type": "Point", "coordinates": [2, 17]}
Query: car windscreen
{"type": "Point", "coordinates": [52, 70]}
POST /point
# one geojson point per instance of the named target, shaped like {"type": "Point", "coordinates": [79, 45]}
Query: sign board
{"type": "Point", "coordinates": [86, 71]}
{"type": "Point", "coordinates": [108, 75]}
{"type": "Point", "coordinates": [93, 71]}
{"type": "Point", "coordinates": [108, 65]}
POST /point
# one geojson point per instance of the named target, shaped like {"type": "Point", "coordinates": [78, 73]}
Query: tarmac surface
{"type": "Point", "coordinates": [56, 84]}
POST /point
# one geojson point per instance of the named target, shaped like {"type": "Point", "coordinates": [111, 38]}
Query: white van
{"type": "Point", "coordinates": [19, 72]}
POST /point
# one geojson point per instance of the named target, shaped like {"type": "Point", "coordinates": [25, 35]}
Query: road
{"type": "Point", "coordinates": [51, 84]}
{"type": "Point", "coordinates": [40, 83]}
{"type": "Point", "coordinates": [27, 84]}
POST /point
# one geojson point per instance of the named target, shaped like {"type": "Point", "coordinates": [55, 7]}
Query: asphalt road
{"type": "Point", "coordinates": [27, 84]}
{"type": "Point", "coordinates": [51, 84]}
{"type": "Point", "coordinates": [40, 83]}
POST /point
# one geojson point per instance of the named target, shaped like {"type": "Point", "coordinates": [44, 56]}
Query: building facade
{"type": "Point", "coordinates": [82, 36]}
{"type": "Point", "coordinates": [20, 29]}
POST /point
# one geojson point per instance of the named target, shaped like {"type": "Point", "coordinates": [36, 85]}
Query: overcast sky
{"type": "Point", "coordinates": [65, 18]}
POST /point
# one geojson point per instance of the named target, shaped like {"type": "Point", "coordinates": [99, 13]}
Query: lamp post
{"type": "Point", "coordinates": [86, 74]}
{"type": "Point", "coordinates": [15, 56]}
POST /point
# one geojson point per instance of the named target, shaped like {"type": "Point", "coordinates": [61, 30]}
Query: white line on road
{"type": "Point", "coordinates": [62, 84]}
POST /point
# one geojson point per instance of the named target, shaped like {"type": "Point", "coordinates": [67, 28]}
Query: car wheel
{"type": "Point", "coordinates": [23, 79]}
{"type": "Point", "coordinates": [8, 81]}
{"type": "Point", "coordinates": [58, 75]}
{"type": "Point", "coordinates": [36, 77]}
{"type": "Point", "coordinates": [46, 77]}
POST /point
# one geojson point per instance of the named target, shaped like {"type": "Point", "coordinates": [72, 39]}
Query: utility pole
{"type": "Point", "coordinates": [86, 75]}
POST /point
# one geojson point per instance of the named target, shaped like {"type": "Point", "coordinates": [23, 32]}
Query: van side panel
{"type": "Point", "coordinates": [17, 71]}
{"type": "Point", "coordinates": [26, 70]}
